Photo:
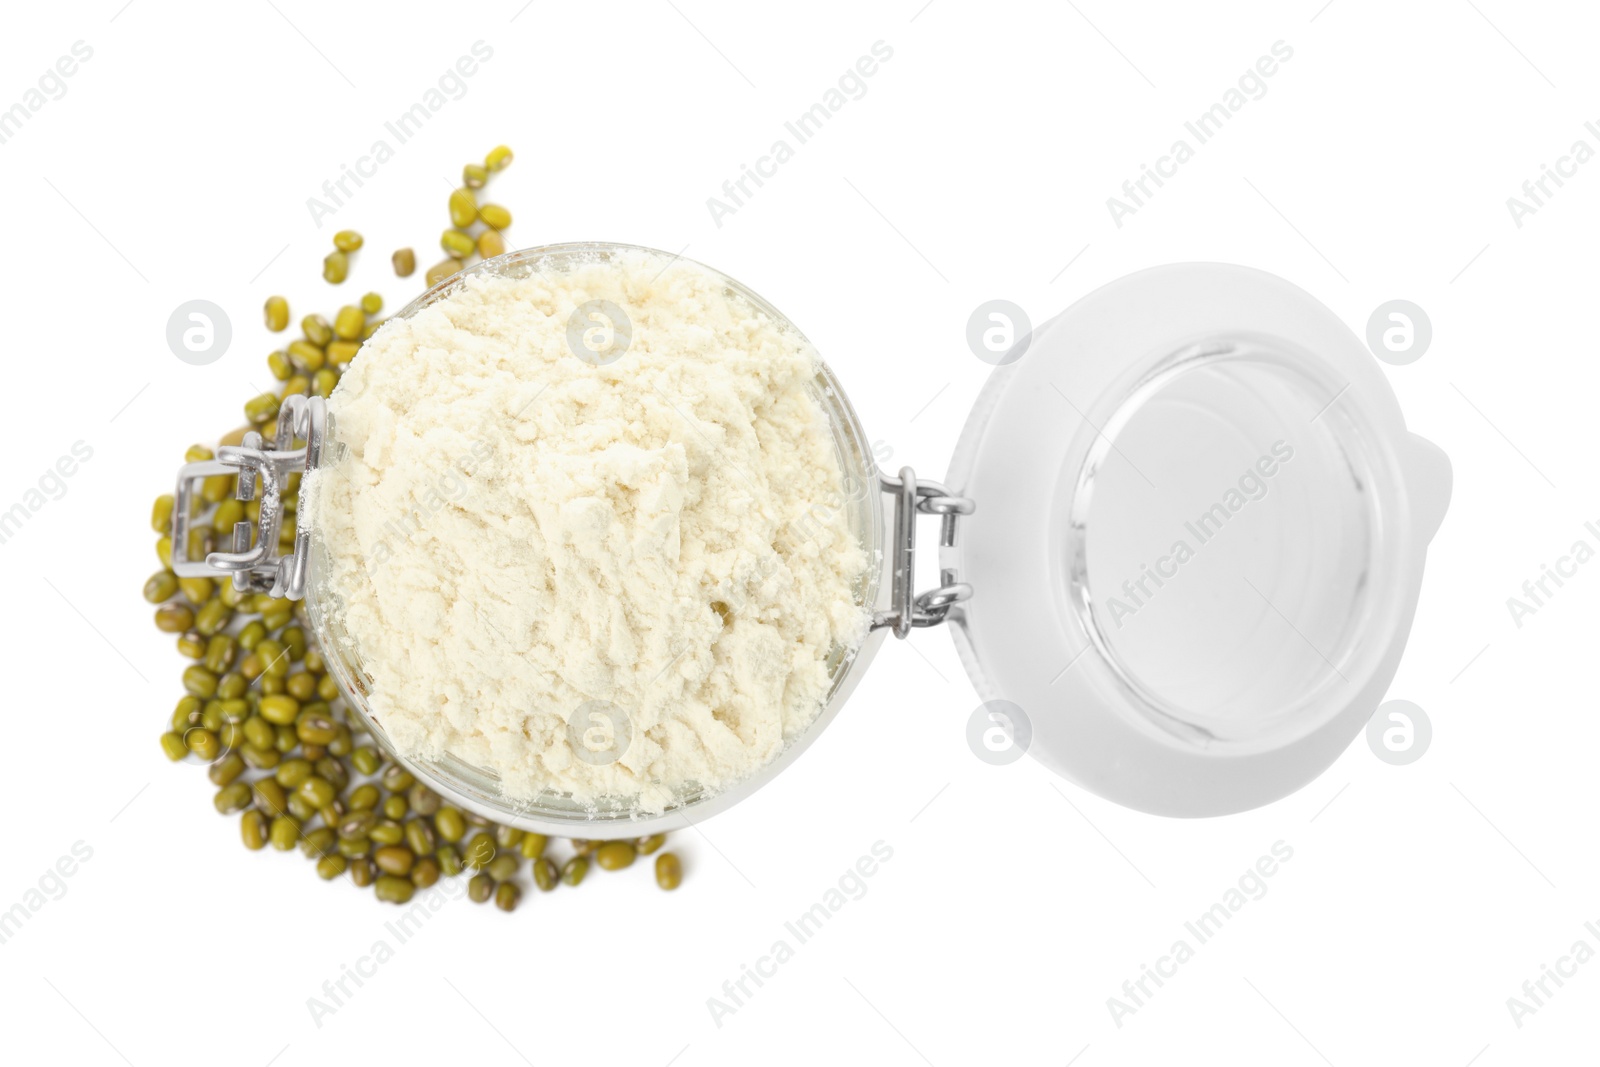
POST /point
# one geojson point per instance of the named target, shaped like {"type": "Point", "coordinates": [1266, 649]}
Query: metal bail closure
{"type": "Point", "coordinates": [262, 568]}
{"type": "Point", "coordinates": [908, 609]}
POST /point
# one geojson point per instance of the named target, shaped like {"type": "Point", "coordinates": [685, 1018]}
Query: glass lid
{"type": "Point", "coordinates": [1198, 539]}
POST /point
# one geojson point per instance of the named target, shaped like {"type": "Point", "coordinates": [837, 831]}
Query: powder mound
{"type": "Point", "coordinates": [543, 560]}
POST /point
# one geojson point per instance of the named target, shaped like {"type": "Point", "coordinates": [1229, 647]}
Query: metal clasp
{"type": "Point", "coordinates": [262, 568]}
{"type": "Point", "coordinates": [908, 608]}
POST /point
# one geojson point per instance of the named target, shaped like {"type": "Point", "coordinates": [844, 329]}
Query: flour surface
{"type": "Point", "coordinates": [542, 561]}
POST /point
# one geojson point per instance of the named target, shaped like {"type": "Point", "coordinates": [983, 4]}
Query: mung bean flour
{"type": "Point", "coordinates": [516, 537]}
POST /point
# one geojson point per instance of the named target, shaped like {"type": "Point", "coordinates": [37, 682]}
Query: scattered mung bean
{"type": "Point", "coordinates": [480, 888]}
{"type": "Point", "coordinates": [463, 208]}
{"type": "Point", "coordinates": [669, 872]}
{"type": "Point", "coordinates": [277, 313]}
{"type": "Point", "coordinates": [442, 270]}
{"type": "Point", "coordinates": [615, 855]}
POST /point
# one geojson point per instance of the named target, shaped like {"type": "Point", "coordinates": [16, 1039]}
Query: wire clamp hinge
{"type": "Point", "coordinates": [262, 568]}
{"type": "Point", "coordinates": [908, 608]}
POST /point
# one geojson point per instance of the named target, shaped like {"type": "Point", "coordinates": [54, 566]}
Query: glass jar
{"type": "Point", "coordinates": [477, 789]}
{"type": "Point", "coordinates": [1211, 406]}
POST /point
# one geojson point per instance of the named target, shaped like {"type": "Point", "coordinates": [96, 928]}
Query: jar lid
{"type": "Point", "coordinates": [1198, 540]}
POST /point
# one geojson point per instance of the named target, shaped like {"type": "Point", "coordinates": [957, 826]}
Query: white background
{"type": "Point", "coordinates": [977, 165]}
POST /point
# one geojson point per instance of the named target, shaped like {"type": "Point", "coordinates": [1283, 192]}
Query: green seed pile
{"type": "Point", "coordinates": [259, 704]}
